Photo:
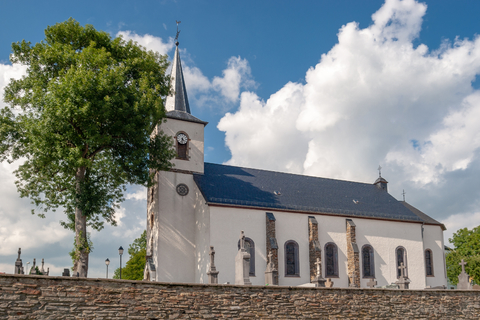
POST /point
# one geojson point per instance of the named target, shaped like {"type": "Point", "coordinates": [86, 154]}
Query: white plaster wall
{"type": "Point", "coordinates": [195, 132]}
{"type": "Point", "coordinates": [383, 236]}
{"type": "Point", "coordinates": [174, 228]}
{"type": "Point", "coordinates": [202, 238]}
{"type": "Point", "coordinates": [433, 240]}
{"type": "Point", "coordinates": [225, 227]}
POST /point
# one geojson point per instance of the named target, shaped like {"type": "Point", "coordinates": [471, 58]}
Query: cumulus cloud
{"type": "Point", "coordinates": [148, 41]}
{"type": "Point", "coordinates": [219, 91]}
{"type": "Point", "coordinates": [373, 98]}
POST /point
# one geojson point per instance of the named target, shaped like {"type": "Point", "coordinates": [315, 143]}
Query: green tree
{"type": "Point", "coordinates": [136, 264]}
{"type": "Point", "coordinates": [82, 119]}
{"type": "Point", "coordinates": [466, 246]}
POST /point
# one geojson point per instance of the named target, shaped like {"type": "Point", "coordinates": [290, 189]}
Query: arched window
{"type": "Point", "coordinates": [368, 262]}
{"type": "Point", "coordinates": [250, 247]}
{"type": "Point", "coordinates": [331, 260]}
{"type": "Point", "coordinates": [292, 264]}
{"type": "Point", "coordinates": [182, 145]}
{"type": "Point", "coordinates": [429, 262]}
{"type": "Point", "coordinates": [401, 256]}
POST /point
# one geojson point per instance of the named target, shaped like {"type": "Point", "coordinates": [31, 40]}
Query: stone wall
{"type": "Point", "coordinates": [39, 297]}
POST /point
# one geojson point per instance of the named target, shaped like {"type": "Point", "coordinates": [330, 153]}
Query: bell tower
{"type": "Point", "coordinates": [171, 201]}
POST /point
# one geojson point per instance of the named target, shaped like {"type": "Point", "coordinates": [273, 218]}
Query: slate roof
{"type": "Point", "coordinates": [179, 100]}
{"type": "Point", "coordinates": [181, 115]}
{"type": "Point", "coordinates": [421, 215]}
{"type": "Point", "coordinates": [245, 187]}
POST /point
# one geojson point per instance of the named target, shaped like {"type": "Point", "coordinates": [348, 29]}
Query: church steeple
{"type": "Point", "coordinates": [178, 101]}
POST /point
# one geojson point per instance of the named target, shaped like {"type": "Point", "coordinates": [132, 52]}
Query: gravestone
{"type": "Point", "coordinates": [372, 283]}
{"type": "Point", "coordinates": [66, 272]}
{"type": "Point", "coordinates": [403, 281]}
{"type": "Point", "coordinates": [33, 268]}
{"type": "Point", "coordinates": [329, 283]}
{"type": "Point", "coordinates": [271, 273]}
{"type": "Point", "coordinates": [318, 280]}
{"type": "Point", "coordinates": [19, 264]}
{"type": "Point", "coordinates": [212, 273]}
{"type": "Point", "coordinates": [242, 263]}
{"type": "Point", "coordinates": [463, 278]}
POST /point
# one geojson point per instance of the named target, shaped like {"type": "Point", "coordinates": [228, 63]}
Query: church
{"type": "Point", "coordinates": [357, 231]}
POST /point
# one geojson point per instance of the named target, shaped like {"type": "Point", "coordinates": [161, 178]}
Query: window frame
{"type": "Point", "coordinates": [431, 263]}
{"type": "Point", "coordinates": [371, 257]}
{"type": "Point", "coordinates": [296, 259]}
{"type": "Point", "coordinates": [335, 260]}
{"type": "Point", "coordinates": [405, 261]}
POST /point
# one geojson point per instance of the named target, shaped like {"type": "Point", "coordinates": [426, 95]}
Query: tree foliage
{"type": "Point", "coordinates": [81, 119]}
{"type": "Point", "coordinates": [136, 264]}
{"type": "Point", "coordinates": [466, 246]}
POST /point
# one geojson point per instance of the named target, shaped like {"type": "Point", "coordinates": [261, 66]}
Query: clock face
{"type": "Point", "coordinates": [182, 138]}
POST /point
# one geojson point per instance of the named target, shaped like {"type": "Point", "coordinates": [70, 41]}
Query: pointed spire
{"type": "Point", "coordinates": [178, 101]}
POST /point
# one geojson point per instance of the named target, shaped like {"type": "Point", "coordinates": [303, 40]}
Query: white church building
{"type": "Point", "coordinates": [357, 230]}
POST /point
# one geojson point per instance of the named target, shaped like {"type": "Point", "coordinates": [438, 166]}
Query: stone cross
{"type": "Point", "coordinates": [372, 283]}
{"type": "Point", "coordinates": [402, 270]}
{"type": "Point", "coordinates": [271, 274]}
{"type": "Point", "coordinates": [212, 273]}
{"type": "Point", "coordinates": [329, 283]}
{"type": "Point", "coordinates": [463, 263]}
{"type": "Point", "coordinates": [403, 282]}
{"type": "Point", "coordinates": [463, 278]}
{"type": "Point", "coordinates": [318, 281]}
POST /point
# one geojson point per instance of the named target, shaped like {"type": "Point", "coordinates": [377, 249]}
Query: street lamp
{"type": "Point", "coordinates": [107, 262]}
{"type": "Point", "coordinates": [120, 252]}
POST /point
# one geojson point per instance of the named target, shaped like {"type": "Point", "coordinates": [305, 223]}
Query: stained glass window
{"type": "Point", "coordinates": [368, 262]}
{"type": "Point", "coordinates": [428, 262]}
{"type": "Point", "coordinates": [331, 260]}
{"type": "Point", "coordinates": [291, 258]}
{"type": "Point", "coordinates": [401, 257]}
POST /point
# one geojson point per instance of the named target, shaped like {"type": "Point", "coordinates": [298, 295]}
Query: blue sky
{"type": "Point", "coordinates": [294, 87]}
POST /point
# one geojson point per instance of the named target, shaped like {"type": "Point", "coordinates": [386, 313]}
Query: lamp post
{"type": "Point", "coordinates": [107, 262]}
{"type": "Point", "coordinates": [120, 252]}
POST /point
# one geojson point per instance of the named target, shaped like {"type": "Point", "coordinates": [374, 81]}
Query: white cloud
{"type": "Point", "coordinates": [369, 100]}
{"type": "Point", "coordinates": [139, 195]}
{"type": "Point", "coordinates": [219, 92]}
{"type": "Point", "coordinates": [148, 41]}
{"type": "Point", "coordinates": [236, 75]}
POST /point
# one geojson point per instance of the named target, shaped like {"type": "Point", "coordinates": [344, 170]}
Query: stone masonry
{"type": "Point", "coordinates": [314, 250]}
{"type": "Point", "coordinates": [41, 297]}
{"type": "Point", "coordinates": [353, 255]}
{"type": "Point", "coordinates": [271, 240]}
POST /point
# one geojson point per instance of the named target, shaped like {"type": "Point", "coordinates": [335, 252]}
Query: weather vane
{"type": "Point", "coordinates": [178, 32]}
{"type": "Point", "coordinates": [379, 171]}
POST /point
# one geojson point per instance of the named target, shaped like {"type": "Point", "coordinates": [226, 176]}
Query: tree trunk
{"type": "Point", "coordinates": [81, 241]}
